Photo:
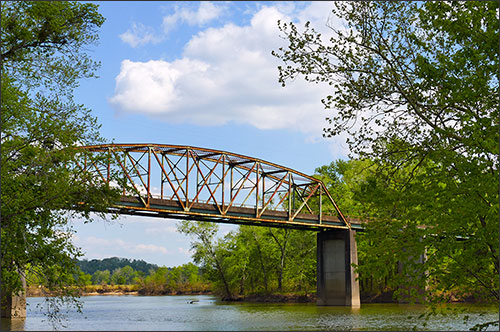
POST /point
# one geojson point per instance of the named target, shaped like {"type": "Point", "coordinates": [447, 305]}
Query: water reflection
{"type": "Point", "coordinates": [176, 313]}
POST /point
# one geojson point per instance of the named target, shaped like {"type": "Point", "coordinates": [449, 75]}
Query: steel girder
{"type": "Point", "coordinates": [184, 182]}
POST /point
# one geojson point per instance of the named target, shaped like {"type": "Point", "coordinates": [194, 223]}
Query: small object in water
{"type": "Point", "coordinates": [193, 301]}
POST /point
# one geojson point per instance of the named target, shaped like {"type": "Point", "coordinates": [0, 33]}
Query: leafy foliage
{"type": "Point", "coordinates": [212, 255]}
{"type": "Point", "coordinates": [101, 277]}
{"type": "Point", "coordinates": [182, 279]}
{"type": "Point", "coordinates": [112, 263]}
{"type": "Point", "coordinates": [178, 279]}
{"type": "Point", "coordinates": [254, 260]}
{"type": "Point", "coordinates": [415, 85]}
{"type": "Point", "coordinates": [43, 47]}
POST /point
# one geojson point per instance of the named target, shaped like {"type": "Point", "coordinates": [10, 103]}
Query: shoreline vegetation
{"type": "Point", "coordinates": [106, 290]}
{"type": "Point", "coordinates": [92, 290]}
{"type": "Point", "coordinates": [120, 276]}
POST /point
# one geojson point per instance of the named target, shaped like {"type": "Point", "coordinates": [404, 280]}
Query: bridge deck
{"type": "Point", "coordinates": [172, 209]}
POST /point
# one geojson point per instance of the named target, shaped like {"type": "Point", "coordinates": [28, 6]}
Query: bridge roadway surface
{"type": "Point", "coordinates": [171, 209]}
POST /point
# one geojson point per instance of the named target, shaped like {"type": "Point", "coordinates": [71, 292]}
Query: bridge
{"type": "Point", "coordinates": [185, 182]}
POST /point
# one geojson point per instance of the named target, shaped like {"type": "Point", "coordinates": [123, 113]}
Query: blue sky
{"type": "Point", "coordinates": [200, 74]}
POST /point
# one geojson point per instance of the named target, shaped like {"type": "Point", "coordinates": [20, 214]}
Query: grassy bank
{"type": "Point", "coordinates": [91, 290]}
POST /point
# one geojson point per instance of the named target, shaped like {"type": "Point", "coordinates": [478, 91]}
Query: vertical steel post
{"type": "Point", "coordinates": [124, 171]}
{"type": "Point", "coordinates": [231, 192]}
{"type": "Point", "coordinates": [187, 178]}
{"type": "Point", "coordinates": [162, 175]}
{"type": "Point", "coordinates": [223, 176]}
{"type": "Point", "coordinates": [320, 204]}
{"type": "Point", "coordinates": [109, 166]}
{"type": "Point", "coordinates": [263, 189]}
{"type": "Point", "coordinates": [257, 190]}
{"type": "Point", "coordinates": [290, 185]}
{"type": "Point", "coordinates": [197, 180]}
{"type": "Point", "coordinates": [149, 177]}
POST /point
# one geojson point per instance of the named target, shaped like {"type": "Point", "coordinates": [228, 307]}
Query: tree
{"type": "Point", "coordinates": [93, 265]}
{"type": "Point", "coordinates": [124, 276]}
{"type": "Point", "coordinates": [190, 273]}
{"type": "Point", "coordinates": [212, 254]}
{"type": "Point", "coordinates": [101, 277]}
{"type": "Point", "coordinates": [415, 85]}
{"type": "Point", "coordinates": [155, 282]}
{"type": "Point", "coordinates": [281, 238]}
{"type": "Point", "coordinates": [84, 278]}
{"type": "Point", "coordinates": [43, 50]}
{"type": "Point", "coordinates": [341, 179]}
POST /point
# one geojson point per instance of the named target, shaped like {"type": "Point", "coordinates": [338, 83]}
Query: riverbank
{"type": "Point", "coordinates": [275, 298]}
{"type": "Point", "coordinates": [117, 290]}
{"type": "Point", "coordinates": [307, 298]}
{"type": "Point", "coordinates": [93, 290]}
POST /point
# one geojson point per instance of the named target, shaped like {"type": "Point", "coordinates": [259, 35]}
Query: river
{"type": "Point", "coordinates": [143, 313]}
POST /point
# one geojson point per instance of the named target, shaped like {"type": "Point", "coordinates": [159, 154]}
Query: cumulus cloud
{"type": "Point", "coordinates": [206, 12]}
{"type": "Point", "coordinates": [140, 34]}
{"type": "Point", "coordinates": [227, 74]}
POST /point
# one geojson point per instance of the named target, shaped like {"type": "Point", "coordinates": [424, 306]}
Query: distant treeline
{"type": "Point", "coordinates": [113, 263]}
{"type": "Point", "coordinates": [147, 279]}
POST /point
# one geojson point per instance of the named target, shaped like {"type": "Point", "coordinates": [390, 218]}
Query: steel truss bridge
{"type": "Point", "coordinates": [184, 182]}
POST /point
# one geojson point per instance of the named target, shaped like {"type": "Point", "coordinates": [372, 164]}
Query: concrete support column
{"type": "Point", "coordinates": [419, 291]}
{"type": "Point", "coordinates": [336, 280]}
{"type": "Point", "coordinates": [14, 306]}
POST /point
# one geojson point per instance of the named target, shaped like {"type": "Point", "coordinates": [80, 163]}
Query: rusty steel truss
{"type": "Point", "coordinates": [184, 182]}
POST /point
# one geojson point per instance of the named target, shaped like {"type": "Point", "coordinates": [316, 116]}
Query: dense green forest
{"type": "Point", "coordinates": [93, 265]}
{"type": "Point", "coordinates": [121, 271]}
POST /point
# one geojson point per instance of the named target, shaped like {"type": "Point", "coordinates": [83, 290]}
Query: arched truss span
{"type": "Point", "coordinates": [185, 182]}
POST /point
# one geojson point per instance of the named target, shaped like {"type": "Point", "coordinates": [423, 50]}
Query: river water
{"type": "Point", "coordinates": [143, 313]}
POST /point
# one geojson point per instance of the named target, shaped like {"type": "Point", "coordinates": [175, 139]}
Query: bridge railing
{"type": "Point", "coordinates": [186, 177]}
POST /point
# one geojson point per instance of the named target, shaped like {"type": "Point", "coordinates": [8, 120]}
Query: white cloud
{"type": "Point", "coordinates": [228, 74]}
{"type": "Point", "coordinates": [206, 12]}
{"type": "Point", "coordinates": [151, 248]}
{"type": "Point", "coordinates": [139, 35]}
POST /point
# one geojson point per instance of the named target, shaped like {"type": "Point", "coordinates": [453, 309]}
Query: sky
{"type": "Point", "coordinates": [200, 74]}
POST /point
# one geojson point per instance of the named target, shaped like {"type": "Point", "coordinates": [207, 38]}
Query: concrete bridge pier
{"type": "Point", "coordinates": [418, 260]}
{"type": "Point", "coordinates": [336, 280]}
{"type": "Point", "coordinates": [14, 305]}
